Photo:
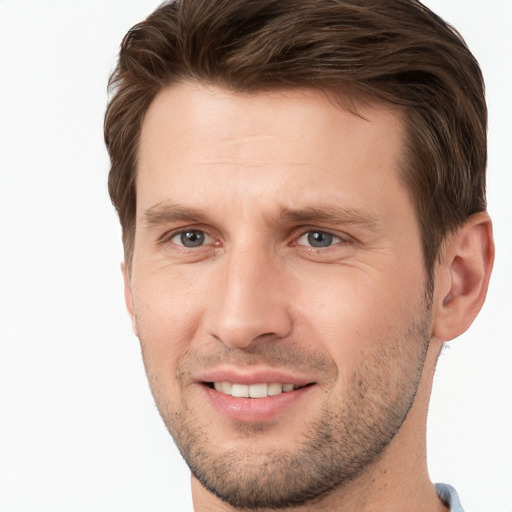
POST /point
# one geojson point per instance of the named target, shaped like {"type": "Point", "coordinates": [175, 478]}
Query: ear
{"type": "Point", "coordinates": [128, 296]}
{"type": "Point", "coordinates": [462, 277]}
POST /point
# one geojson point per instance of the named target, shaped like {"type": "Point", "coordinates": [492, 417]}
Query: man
{"type": "Point", "coordinates": [301, 186]}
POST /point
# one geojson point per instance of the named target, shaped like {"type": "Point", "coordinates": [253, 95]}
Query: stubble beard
{"type": "Point", "coordinates": [338, 446]}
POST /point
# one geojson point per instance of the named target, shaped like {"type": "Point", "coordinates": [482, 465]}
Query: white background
{"type": "Point", "coordinates": [78, 428]}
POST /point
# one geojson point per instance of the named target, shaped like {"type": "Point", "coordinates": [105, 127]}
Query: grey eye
{"type": "Point", "coordinates": [318, 239]}
{"type": "Point", "coordinates": [191, 238]}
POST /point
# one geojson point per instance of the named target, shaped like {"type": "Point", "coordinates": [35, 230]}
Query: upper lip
{"type": "Point", "coordinates": [252, 376]}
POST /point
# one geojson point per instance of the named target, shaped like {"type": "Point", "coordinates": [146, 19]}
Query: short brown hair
{"type": "Point", "coordinates": [394, 50]}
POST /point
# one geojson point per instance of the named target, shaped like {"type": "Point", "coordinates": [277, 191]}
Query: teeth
{"type": "Point", "coordinates": [240, 391]}
{"type": "Point", "coordinates": [226, 387]}
{"type": "Point", "coordinates": [258, 390]}
{"type": "Point", "coordinates": [275, 389]}
{"type": "Point", "coordinates": [253, 390]}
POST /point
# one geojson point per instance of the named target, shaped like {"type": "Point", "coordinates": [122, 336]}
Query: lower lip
{"type": "Point", "coordinates": [254, 409]}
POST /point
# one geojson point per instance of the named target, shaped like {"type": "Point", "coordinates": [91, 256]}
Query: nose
{"type": "Point", "coordinates": [250, 303]}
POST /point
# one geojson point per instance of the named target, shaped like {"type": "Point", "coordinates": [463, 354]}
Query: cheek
{"type": "Point", "coordinates": [168, 310]}
{"type": "Point", "coordinates": [353, 312]}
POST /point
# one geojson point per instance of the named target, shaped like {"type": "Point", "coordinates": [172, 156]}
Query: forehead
{"type": "Point", "coordinates": [300, 141]}
{"type": "Point", "coordinates": [193, 106]}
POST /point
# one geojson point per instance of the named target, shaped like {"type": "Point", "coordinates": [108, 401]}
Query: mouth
{"type": "Point", "coordinates": [261, 396]}
{"type": "Point", "coordinates": [257, 390]}
{"type": "Point", "coordinates": [252, 394]}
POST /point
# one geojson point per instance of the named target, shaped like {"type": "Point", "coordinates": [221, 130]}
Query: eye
{"type": "Point", "coordinates": [318, 239]}
{"type": "Point", "coordinates": [191, 238]}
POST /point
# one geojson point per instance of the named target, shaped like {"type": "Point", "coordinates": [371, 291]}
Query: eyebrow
{"type": "Point", "coordinates": [331, 215]}
{"type": "Point", "coordinates": [167, 212]}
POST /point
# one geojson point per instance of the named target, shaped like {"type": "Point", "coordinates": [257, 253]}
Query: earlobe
{"type": "Point", "coordinates": [463, 276]}
{"type": "Point", "coordinates": [128, 296]}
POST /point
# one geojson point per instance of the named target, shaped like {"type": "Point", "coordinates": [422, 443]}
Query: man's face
{"type": "Point", "coordinates": [276, 255]}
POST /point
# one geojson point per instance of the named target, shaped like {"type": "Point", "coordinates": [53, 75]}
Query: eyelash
{"type": "Point", "coordinates": [334, 238]}
{"type": "Point", "coordinates": [169, 239]}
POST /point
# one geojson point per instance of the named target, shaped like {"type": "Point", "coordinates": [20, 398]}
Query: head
{"type": "Point", "coordinates": [397, 51]}
{"type": "Point", "coordinates": [299, 186]}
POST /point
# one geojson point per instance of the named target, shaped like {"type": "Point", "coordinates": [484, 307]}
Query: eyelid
{"type": "Point", "coordinates": [169, 235]}
{"type": "Point", "coordinates": [341, 237]}
{"type": "Point", "coordinates": [207, 238]}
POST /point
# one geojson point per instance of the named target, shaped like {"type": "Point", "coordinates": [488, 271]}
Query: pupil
{"type": "Point", "coordinates": [192, 238]}
{"type": "Point", "coordinates": [319, 239]}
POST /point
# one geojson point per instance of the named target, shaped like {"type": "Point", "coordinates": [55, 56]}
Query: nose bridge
{"type": "Point", "coordinates": [251, 302]}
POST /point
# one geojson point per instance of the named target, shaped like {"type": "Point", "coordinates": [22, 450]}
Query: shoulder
{"type": "Point", "coordinates": [448, 495]}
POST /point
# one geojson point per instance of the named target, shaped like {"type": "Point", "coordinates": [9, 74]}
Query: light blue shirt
{"type": "Point", "coordinates": [449, 497]}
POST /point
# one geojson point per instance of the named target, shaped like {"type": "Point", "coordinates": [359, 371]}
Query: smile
{"type": "Point", "coordinates": [257, 397]}
{"type": "Point", "coordinates": [260, 390]}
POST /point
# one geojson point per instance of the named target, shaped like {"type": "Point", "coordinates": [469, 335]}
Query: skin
{"type": "Point", "coordinates": [256, 175]}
